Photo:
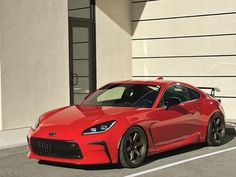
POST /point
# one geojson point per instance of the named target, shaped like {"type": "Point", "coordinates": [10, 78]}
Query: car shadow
{"type": "Point", "coordinates": [181, 150]}
{"type": "Point", "coordinates": [81, 167]}
{"type": "Point", "coordinates": [185, 149]}
{"type": "Point", "coordinates": [229, 135]}
{"type": "Point", "coordinates": [174, 152]}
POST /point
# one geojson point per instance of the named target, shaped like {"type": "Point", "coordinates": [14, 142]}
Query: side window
{"type": "Point", "coordinates": [193, 94]}
{"type": "Point", "coordinates": [179, 91]}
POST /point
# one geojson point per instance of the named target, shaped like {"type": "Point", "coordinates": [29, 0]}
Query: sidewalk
{"type": "Point", "coordinates": [17, 137]}
{"type": "Point", "coordinates": [13, 138]}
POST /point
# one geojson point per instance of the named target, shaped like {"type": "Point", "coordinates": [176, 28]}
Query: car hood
{"type": "Point", "coordinates": [78, 118]}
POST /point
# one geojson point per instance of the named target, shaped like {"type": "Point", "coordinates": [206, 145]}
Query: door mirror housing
{"type": "Point", "coordinates": [172, 101]}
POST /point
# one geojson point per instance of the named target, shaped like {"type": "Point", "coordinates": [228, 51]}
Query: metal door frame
{"type": "Point", "coordinates": [80, 22]}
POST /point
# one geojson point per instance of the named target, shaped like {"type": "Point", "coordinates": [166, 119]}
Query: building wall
{"type": "Point", "coordinates": [34, 59]}
{"type": "Point", "coordinates": [0, 87]}
{"type": "Point", "coordinates": [113, 41]}
{"type": "Point", "coordinates": [187, 40]}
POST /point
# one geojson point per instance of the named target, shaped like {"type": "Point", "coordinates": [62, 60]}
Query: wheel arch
{"type": "Point", "coordinates": [216, 112]}
{"type": "Point", "coordinates": [205, 127]}
{"type": "Point", "coordinates": [213, 116]}
{"type": "Point", "coordinates": [134, 125]}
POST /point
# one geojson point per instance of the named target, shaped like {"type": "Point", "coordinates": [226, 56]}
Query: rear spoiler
{"type": "Point", "coordinates": [213, 90]}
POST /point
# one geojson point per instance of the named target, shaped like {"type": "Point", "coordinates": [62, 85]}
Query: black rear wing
{"type": "Point", "coordinates": [213, 90]}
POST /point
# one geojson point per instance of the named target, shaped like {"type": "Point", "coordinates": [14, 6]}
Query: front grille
{"type": "Point", "coordinates": [56, 148]}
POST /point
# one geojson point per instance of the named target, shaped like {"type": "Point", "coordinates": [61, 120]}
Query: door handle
{"type": "Point", "coordinates": [75, 78]}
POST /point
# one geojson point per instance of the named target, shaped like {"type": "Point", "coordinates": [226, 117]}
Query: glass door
{"type": "Point", "coordinates": [82, 80]}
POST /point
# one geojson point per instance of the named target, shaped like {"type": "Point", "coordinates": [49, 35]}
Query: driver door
{"type": "Point", "coordinates": [172, 125]}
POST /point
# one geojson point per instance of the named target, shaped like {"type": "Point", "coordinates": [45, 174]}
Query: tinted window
{"type": "Point", "coordinates": [126, 95]}
{"type": "Point", "coordinates": [179, 91]}
{"type": "Point", "coordinates": [193, 94]}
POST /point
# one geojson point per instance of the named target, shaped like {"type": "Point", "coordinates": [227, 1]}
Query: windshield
{"type": "Point", "coordinates": [125, 95]}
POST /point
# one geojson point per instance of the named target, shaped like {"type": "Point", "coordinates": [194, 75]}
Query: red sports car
{"type": "Point", "coordinates": [123, 122]}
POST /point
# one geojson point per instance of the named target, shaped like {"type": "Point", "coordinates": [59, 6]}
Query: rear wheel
{"type": "Point", "coordinates": [216, 130]}
{"type": "Point", "coordinates": [133, 148]}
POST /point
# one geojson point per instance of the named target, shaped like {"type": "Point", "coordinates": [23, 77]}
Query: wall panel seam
{"type": "Point", "coordinates": [185, 16]}
{"type": "Point", "coordinates": [186, 76]}
{"type": "Point", "coordinates": [183, 37]}
{"type": "Point", "coordinates": [135, 2]}
{"type": "Point", "coordinates": [182, 56]}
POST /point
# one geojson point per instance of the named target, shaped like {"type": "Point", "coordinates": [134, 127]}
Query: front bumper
{"type": "Point", "coordinates": [95, 149]}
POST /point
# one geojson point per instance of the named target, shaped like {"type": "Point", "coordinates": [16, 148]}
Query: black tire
{"type": "Point", "coordinates": [216, 130]}
{"type": "Point", "coordinates": [133, 147]}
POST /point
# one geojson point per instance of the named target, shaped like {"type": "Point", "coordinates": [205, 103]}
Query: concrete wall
{"type": "Point", "coordinates": [0, 89]}
{"type": "Point", "coordinates": [34, 59]}
{"type": "Point", "coordinates": [114, 45]}
{"type": "Point", "coordinates": [187, 40]}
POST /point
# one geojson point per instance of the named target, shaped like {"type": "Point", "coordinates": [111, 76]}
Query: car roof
{"type": "Point", "coordinates": [146, 82]}
{"type": "Point", "coordinates": [160, 82]}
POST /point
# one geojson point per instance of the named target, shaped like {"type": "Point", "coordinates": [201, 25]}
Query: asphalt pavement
{"type": "Point", "coordinates": [195, 160]}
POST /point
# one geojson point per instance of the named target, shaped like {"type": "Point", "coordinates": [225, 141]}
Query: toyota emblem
{"type": "Point", "coordinates": [52, 133]}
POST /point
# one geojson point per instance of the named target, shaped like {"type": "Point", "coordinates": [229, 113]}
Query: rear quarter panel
{"type": "Point", "coordinates": [209, 106]}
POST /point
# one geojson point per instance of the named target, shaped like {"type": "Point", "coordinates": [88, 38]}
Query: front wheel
{"type": "Point", "coordinates": [216, 130]}
{"type": "Point", "coordinates": [133, 148]}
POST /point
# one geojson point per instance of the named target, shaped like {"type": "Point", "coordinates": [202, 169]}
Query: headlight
{"type": "Point", "coordinates": [36, 124]}
{"type": "Point", "coordinates": [100, 128]}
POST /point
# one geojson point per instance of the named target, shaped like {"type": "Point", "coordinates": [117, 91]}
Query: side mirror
{"type": "Point", "coordinates": [171, 101]}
